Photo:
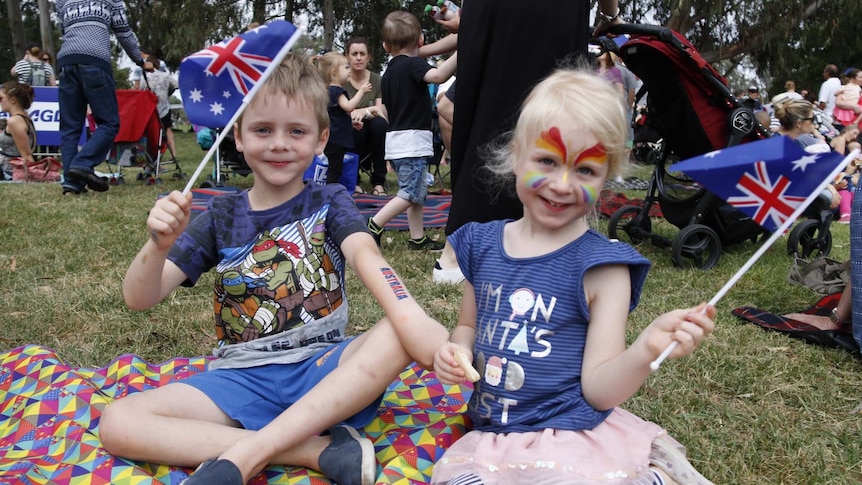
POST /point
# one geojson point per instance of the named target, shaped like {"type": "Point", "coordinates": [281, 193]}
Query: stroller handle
{"type": "Point", "coordinates": [662, 33]}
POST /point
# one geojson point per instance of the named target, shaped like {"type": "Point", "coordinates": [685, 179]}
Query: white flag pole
{"type": "Point", "coordinates": [654, 365]}
{"type": "Point", "coordinates": [245, 102]}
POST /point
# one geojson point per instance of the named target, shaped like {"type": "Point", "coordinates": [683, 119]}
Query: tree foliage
{"type": "Point", "coordinates": [172, 29]}
{"type": "Point", "coordinates": [778, 39]}
{"type": "Point", "coordinates": [781, 39]}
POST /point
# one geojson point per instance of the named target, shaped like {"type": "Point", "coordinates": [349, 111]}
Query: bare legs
{"type": "Point", "coordinates": [178, 425]}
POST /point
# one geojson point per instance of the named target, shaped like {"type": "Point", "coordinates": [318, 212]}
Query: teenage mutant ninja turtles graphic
{"type": "Point", "coordinates": [284, 279]}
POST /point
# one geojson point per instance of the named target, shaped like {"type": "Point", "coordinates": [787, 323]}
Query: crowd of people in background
{"type": "Point", "coordinates": [387, 119]}
{"type": "Point", "coordinates": [822, 120]}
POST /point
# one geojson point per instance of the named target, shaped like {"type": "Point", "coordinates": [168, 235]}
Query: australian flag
{"type": "Point", "coordinates": [214, 81]}
{"type": "Point", "coordinates": [766, 179]}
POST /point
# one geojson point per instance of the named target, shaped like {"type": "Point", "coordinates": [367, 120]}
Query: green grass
{"type": "Point", "coordinates": [752, 407]}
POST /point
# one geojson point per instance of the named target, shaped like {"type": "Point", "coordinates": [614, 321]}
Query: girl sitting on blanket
{"type": "Point", "coordinates": [550, 345]}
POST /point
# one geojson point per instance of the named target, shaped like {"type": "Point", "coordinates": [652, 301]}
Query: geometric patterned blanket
{"type": "Point", "coordinates": [49, 422]}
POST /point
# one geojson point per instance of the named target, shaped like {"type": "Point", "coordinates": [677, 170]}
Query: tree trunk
{"type": "Point", "coordinates": [328, 24]}
{"type": "Point", "coordinates": [258, 11]}
{"type": "Point", "coordinates": [288, 10]}
{"type": "Point", "coordinates": [45, 28]}
{"type": "Point", "coordinates": [16, 27]}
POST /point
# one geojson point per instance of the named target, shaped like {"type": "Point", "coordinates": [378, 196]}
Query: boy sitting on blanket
{"type": "Point", "coordinates": [285, 370]}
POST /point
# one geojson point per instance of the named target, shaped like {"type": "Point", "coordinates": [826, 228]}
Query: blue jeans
{"type": "Point", "coordinates": [856, 263]}
{"type": "Point", "coordinates": [412, 185]}
{"type": "Point", "coordinates": [82, 85]}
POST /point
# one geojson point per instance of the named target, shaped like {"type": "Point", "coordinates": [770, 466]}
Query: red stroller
{"type": "Point", "coordinates": [141, 139]}
{"type": "Point", "coordinates": [691, 107]}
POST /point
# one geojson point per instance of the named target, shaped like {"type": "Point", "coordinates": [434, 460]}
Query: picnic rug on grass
{"type": "Point", "coordinates": [49, 422]}
{"type": "Point", "coordinates": [842, 338]}
{"type": "Point", "coordinates": [435, 212]}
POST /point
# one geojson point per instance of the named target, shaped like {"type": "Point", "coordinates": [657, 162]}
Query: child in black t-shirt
{"type": "Point", "coordinates": [335, 70]}
{"type": "Point", "coordinates": [409, 136]}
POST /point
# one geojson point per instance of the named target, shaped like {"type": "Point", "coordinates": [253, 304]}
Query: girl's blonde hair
{"type": "Point", "coordinates": [297, 80]}
{"type": "Point", "coordinates": [571, 97]}
{"type": "Point", "coordinates": [328, 63]}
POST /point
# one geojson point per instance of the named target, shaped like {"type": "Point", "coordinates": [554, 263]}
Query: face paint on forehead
{"type": "Point", "coordinates": [552, 140]}
{"type": "Point", "coordinates": [595, 153]}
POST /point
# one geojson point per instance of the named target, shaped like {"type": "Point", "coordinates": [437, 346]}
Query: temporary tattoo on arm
{"type": "Point", "coordinates": [395, 284]}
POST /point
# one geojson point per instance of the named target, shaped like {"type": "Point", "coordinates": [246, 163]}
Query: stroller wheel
{"type": "Point", "coordinates": [696, 246]}
{"type": "Point", "coordinates": [207, 184]}
{"type": "Point", "coordinates": [807, 240]}
{"type": "Point", "coordinates": [629, 220]}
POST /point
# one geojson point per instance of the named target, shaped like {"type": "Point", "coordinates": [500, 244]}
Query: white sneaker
{"type": "Point", "coordinates": [452, 276]}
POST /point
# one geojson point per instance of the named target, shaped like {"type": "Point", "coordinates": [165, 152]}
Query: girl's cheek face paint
{"type": "Point", "coordinates": [534, 179]}
{"type": "Point", "coordinates": [590, 195]}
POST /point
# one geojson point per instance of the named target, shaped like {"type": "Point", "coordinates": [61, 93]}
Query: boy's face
{"type": "Point", "coordinates": [279, 139]}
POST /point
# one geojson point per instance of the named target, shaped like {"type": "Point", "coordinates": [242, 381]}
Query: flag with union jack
{"type": "Point", "coordinates": [766, 179]}
{"type": "Point", "coordinates": [214, 81]}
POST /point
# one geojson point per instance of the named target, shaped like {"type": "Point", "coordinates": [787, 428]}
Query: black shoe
{"type": "Point", "coordinates": [375, 230]}
{"type": "Point", "coordinates": [215, 472]}
{"type": "Point", "coordinates": [70, 190]}
{"type": "Point", "coordinates": [425, 244]}
{"type": "Point", "coordinates": [92, 180]}
{"type": "Point", "coordinates": [349, 459]}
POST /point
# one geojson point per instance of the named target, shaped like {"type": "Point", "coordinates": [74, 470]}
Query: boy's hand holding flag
{"type": "Point", "coordinates": [771, 180]}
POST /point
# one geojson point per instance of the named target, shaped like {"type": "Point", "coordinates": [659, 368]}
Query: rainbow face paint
{"type": "Point", "coordinates": [534, 179]}
{"type": "Point", "coordinates": [590, 194]}
{"type": "Point", "coordinates": [552, 140]}
{"type": "Point", "coordinates": [595, 153]}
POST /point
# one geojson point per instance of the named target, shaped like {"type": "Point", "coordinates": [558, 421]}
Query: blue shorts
{"type": "Point", "coordinates": [255, 396]}
{"type": "Point", "coordinates": [412, 185]}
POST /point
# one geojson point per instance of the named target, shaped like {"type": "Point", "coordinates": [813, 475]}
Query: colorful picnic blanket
{"type": "Point", "coordinates": [49, 422]}
{"type": "Point", "coordinates": [435, 213]}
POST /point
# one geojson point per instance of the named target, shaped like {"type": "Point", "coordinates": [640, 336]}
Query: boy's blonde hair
{"type": "Point", "coordinates": [296, 79]}
{"type": "Point", "coordinates": [575, 98]}
{"type": "Point", "coordinates": [401, 30]}
{"type": "Point", "coordinates": [327, 63]}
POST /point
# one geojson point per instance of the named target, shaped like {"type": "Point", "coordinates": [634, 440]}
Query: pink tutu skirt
{"type": "Point", "coordinates": [843, 115]}
{"type": "Point", "coordinates": [614, 452]}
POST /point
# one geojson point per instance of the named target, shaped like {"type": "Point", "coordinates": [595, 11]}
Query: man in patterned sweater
{"type": "Point", "coordinates": [86, 78]}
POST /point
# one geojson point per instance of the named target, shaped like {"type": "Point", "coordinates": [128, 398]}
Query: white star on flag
{"type": "Point", "coordinates": [216, 108]}
{"type": "Point", "coordinates": [196, 95]}
{"type": "Point", "coordinates": [804, 162]}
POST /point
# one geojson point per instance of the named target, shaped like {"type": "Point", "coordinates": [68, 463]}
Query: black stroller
{"type": "Point", "coordinates": [691, 107]}
{"type": "Point", "coordinates": [228, 160]}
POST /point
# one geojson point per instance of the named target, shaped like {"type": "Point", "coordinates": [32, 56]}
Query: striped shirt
{"type": "Point", "coordinates": [24, 70]}
{"type": "Point", "coordinates": [531, 328]}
